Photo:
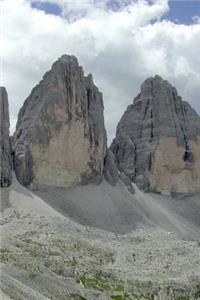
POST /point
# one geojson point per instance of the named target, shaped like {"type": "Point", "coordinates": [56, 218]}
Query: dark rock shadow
{"type": "Point", "coordinates": [4, 199]}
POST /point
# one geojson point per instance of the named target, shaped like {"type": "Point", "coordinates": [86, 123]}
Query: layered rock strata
{"type": "Point", "coordinates": [5, 151]}
{"type": "Point", "coordinates": [60, 138]}
{"type": "Point", "coordinates": [157, 142]}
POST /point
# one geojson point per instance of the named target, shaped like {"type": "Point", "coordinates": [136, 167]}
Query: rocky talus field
{"type": "Point", "coordinates": [84, 221]}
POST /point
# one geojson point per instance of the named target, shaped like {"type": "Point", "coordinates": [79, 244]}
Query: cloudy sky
{"type": "Point", "coordinates": [121, 42]}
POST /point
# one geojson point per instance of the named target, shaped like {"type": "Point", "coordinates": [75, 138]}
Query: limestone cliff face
{"type": "Point", "coordinates": [157, 142]}
{"type": "Point", "coordinates": [5, 151]}
{"type": "Point", "coordinates": [60, 138]}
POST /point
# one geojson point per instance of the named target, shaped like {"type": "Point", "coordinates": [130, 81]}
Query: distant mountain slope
{"type": "Point", "coordinates": [111, 208]}
{"type": "Point", "coordinates": [115, 209]}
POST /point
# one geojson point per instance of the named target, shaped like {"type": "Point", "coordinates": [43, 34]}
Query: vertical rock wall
{"type": "Point", "coordinates": [5, 151]}
{"type": "Point", "coordinates": [157, 142]}
{"type": "Point", "coordinates": [60, 138]}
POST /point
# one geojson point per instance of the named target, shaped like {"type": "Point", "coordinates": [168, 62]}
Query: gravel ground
{"type": "Point", "coordinates": [46, 254]}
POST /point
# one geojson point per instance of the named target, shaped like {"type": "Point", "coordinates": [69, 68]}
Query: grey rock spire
{"type": "Point", "coordinates": [5, 150]}
{"type": "Point", "coordinates": [60, 138]}
{"type": "Point", "coordinates": [157, 142]}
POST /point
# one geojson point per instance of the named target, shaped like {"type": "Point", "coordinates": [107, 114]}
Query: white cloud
{"type": "Point", "coordinates": [196, 19]}
{"type": "Point", "coordinates": [121, 48]}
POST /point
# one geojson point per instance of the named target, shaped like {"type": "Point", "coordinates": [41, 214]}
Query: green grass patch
{"type": "Point", "coordinates": [96, 283]}
{"type": "Point", "coordinates": [117, 297]}
{"type": "Point", "coordinates": [77, 297]}
{"type": "Point", "coordinates": [119, 287]}
{"type": "Point", "coordinates": [31, 274]}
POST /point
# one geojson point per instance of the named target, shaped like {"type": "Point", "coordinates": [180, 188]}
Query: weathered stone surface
{"type": "Point", "coordinates": [110, 168]}
{"type": "Point", "coordinates": [5, 151]}
{"type": "Point", "coordinates": [157, 142]}
{"type": "Point", "coordinates": [60, 139]}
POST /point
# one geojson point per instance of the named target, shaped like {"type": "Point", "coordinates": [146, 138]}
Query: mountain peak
{"type": "Point", "coordinates": [156, 85]}
{"type": "Point", "coordinates": [60, 138]}
{"type": "Point", "coordinates": [68, 59]}
{"type": "Point", "coordinates": [158, 140]}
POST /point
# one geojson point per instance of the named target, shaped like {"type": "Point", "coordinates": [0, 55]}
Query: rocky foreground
{"type": "Point", "coordinates": [46, 255]}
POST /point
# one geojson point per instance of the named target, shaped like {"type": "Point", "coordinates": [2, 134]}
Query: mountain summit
{"type": "Point", "coordinates": [60, 138]}
{"type": "Point", "coordinates": [157, 142]}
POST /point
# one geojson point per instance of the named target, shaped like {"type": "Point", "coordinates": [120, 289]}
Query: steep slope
{"type": "Point", "coordinates": [46, 255]}
{"type": "Point", "coordinates": [60, 138]}
{"type": "Point", "coordinates": [5, 151]}
{"type": "Point", "coordinates": [115, 209]}
{"type": "Point", "coordinates": [157, 142]}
